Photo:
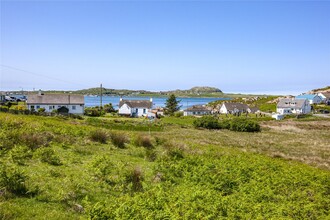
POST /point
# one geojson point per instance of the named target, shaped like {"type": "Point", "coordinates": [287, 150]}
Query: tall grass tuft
{"type": "Point", "coordinates": [36, 140]}
{"type": "Point", "coordinates": [99, 136]}
{"type": "Point", "coordinates": [119, 139]}
{"type": "Point", "coordinates": [143, 141]}
{"type": "Point", "coordinates": [135, 177]}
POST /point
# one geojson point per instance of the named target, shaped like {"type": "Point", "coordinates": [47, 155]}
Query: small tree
{"type": "Point", "coordinates": [172, 105]}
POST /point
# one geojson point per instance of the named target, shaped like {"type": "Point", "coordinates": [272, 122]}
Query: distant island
{"type": "Point", "coordinates": [197, 91]}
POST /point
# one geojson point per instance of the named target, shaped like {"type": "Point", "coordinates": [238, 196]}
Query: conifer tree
{"type": "Point", "coordinates": [172, 105]}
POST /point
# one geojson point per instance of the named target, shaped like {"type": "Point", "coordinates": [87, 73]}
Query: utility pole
{"type": "Point", "coordinates": [101, 98]}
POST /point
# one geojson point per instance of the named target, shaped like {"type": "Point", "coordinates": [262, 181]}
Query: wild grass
{"type": "Point", "coordinates": [143, 141]}
{"type": "Point", "coordinates": [119, 139]}
{"type": "Point", "coordinates": [282, 172]}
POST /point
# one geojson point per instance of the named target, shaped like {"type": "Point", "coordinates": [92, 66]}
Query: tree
{"type": "Point", "coordinates": [172, 105]}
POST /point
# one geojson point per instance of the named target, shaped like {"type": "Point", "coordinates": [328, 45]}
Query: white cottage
{"type": "Point", "coordinates": [62, 103]}
{"type": "Point", "coordinates": [135, 108]}
{"type": "Point", "coordinates": [233, 107]}
{"type": "Point", "coordinates": [325, 96]}
{"type": "Point", "coordinates": [293, 106]}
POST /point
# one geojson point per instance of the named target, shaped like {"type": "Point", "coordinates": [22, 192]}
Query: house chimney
{"type": "Point", "coordinates": [39, 92]}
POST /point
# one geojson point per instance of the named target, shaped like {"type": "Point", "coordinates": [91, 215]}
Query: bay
{"type": "Point", "coordinates": [185, 102]}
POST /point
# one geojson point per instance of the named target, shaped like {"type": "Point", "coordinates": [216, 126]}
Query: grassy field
{"type": "Point", "coordinates": [59, 168]}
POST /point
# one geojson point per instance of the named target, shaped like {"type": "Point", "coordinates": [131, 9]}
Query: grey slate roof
{"type": "Point", "coordinates": [198, 108]}
{"type": "Point", "coordinates": [136, 103]}
{"type": "Point", "coordinates": [291, 103]}
{"type": "Point", "coordinates": [254, 109]}
{"type": "Point", "coordinates": [231, 106]}
{"type": "Point", "coordinates": [63, 99]}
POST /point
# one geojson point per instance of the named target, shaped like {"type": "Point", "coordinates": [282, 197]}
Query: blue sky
{"type": "Point", "coordinates": [241, 46]}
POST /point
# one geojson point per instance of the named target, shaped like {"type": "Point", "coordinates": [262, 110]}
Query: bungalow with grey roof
{"type": "Point", "coordinates": [197, 110]}
{"type": "Point", "coordinates": [62, 103]}
{"type": "Point", "coordinates": [293, 106]}
{"type": "Point", "coordinates": [135, 108]}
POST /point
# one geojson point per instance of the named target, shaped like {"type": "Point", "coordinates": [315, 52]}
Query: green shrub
{"type": "Point", "coordinates": [135, 178]}
{"type": "Point", "coordinates": [93, 111]}
{"type": "Point", "coordinates": [143, 141]}
{"type": "Point", "coordinates": [99, 136]}
{"type": "Point", "coordinates": [178, 114]}
{"type": "Point", "coordinates": [13, 180]}
{"type": "Point", "coordinates": [225, 124]}
{"type": "Point", "coordinates": [48, 155]}
{"type": "Point", "coordinates": [36, 140]}
{"type": "Point", "coordinates": [99, 212]}
{"type": "Point", "coordinates": [151, 155]}
{"type": "Point", "coordinates": [244, 125]}
{"type": "Point", "coordinates": [102, 167]}
{"type": "Point", "coordinates": [119, 139]}
{"type": "Point", "coordinates": [208, 121]}
{"type": "Point", "coordinates": [20, 154]}
{"type": "Point", "coordinates": [40, 110]}
{"type": "Point", "coordinates": [174, 150]}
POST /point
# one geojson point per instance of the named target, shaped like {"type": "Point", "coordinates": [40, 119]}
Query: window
{"type": "Point", "coordinates": [73, 107]}
{"type": "Point", "coordinates": [38, 106]}
{"type": "Point", "coordinates": [144, 111]}
{"type": "Point", "coordinates": [50, 107]}
{"type": "Point", "coordinates": [136, 110]}
{"type": "Point", "coordinates": [32, 106]}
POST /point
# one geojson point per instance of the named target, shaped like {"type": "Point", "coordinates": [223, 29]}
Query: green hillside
{"type": "Point", "coordinates": [115, 168]}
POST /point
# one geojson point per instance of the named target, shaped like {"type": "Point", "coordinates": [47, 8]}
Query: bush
{"type": "Point", "coordinates": [34, 141]}
{"type": "Point", "coordinates": [151, 155]}
{"type": "Point", "coordinates": [178, 114]}
{"type": "Point", "coordinates": [119, 139]}
{"type": "Point", "coordinates": [244, 125]}
{"type": "Point", "coordinates": [48, 155]}
{"type": "Point", "coordinates": [13, 180]}
{"type": "Point", "coordinates": [93, 111]}
{"type": "Point", "coordinates": [173, 150]}
{"type": "Point", "coordinates": [20, 153]}
{"type": "Point", "coordinates": [40, 110]}
{"type": "Point", "coordinates": [99, 136]}
{"type": "Point", "coordinates": [143, 141]}
{"type": "Point", "coordinates": [225, 124]}
{"type": "Point", "coordinates": [135, 177]}
{"type": "Point", "coordinates": [209, 122]}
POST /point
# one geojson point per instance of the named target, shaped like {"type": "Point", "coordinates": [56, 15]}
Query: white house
{"type": "Point", "coordinates": [293, 106]}
{"type": "Point", "coordinates": [62, 103]}
{"type": "Point", "coordinates": [135, 108]}
{"type": "Point", "coordinates": [197, 110]}
{"type": "Point", "coordinates": [325, 96]}
{"type": "Point", "coordinates": [312, 98]}
{"type": "Point", "coordinates": [231, 108]}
